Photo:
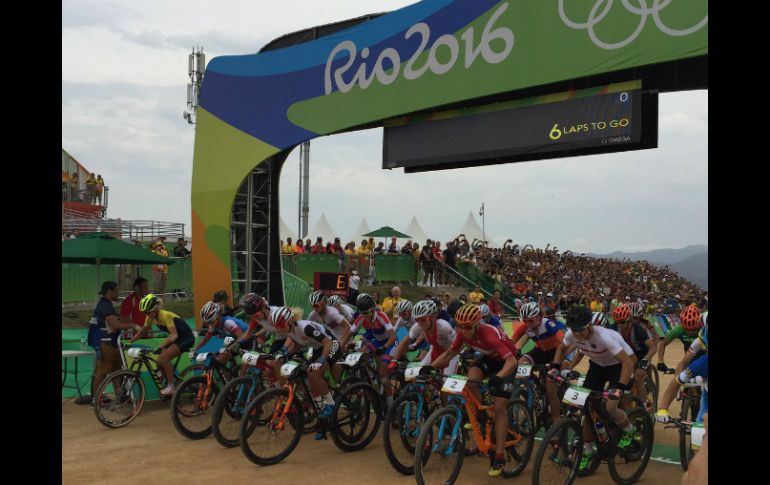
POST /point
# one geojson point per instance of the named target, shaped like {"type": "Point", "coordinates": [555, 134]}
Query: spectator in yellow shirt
{"type": "Point", "coordinates": [390, 302]}
{"type": "Point", "coordinates": [596, 305]}
{"type": "Point", "coordinates": [99, 188]}
{"type": "Point", "coordinates": [289, 248]}
{"type": "Point", "coordinates": [364, 249]}
{"type": "Point", "coordinates": [91, 188]}
{"type": "Point", "coordinates": [476, 296]}
{"type": "Point", "coordinates": [160, 270]}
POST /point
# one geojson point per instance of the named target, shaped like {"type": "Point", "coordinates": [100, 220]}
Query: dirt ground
{"type": "Point", "coordinates": [151, 450]}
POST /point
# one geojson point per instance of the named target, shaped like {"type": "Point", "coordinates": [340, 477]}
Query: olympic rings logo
{"type": "Point", "coordinates": [594, 17]}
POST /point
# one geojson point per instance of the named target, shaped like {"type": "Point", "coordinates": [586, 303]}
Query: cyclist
{"type": "Point", "coordinates": [640, 340]}
{"type": "Point", "coordinates": [547, 337]}
{"type": "Point", "coordinates": [488, 318]}
{"type": "Point", "coordinates": [406, 319]}
{"type": "Point", "coordinates": [328, 316]}
{"type": "Point", "coordinates": [498, 363]}
{"type": "Point", "coordinates": [258, 311]}
{"type": "Point", "coordinates": [686, 331]}
{"type": "Point", "coordinates": [637, 316]}
{"type": "Point", "coordinates": [180, 336]}
{"type": "Point", "coordinates": [336, 302]}
{"type": "Point", "coordinates": [437, 332]}
{"type": "Point", "coordinates": [301, 334]}
{"type": "Point", "coordinates": [693, 366]}
{"type": "Point", "coordinates": [609, 361]}
{"type": "Point", "coordinates": [212, 316]}
{"type": "Point", "coordinates": [379, 336]}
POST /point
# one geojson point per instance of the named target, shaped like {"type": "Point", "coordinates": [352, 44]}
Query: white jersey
{"type": "Point", "coordinates": [405, 323]}
{"type": "Point", "coordinates": [331, 319]}
{"type": "Point", "coordinates": [442, 335]}
{"type": "Point", "coordinates": [267, 324]}
{"type": "Point", "coordinates": [346, 311]}
{"type": "Point", "coordinates": [602, 347]}
{"type": "Point", "coordinates": [309, 334]}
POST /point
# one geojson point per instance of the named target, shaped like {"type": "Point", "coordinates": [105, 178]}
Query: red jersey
{"type": "Point", "coordinates": [130, 309]}
{"type": "Point", "coordinates": [489, 340]}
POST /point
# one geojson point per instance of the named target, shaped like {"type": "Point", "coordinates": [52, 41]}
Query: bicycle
{"type": "Point", "coordinates": [120, 396]}
{"type": "Point", "coordinates": [689, 395]}
{"type": "Point", "coordinates": [565, 440]}
{"type": "Point", "coordinates": [529, 387]}
{"type": "Point", "coordinates": [362, 367]}
{"type": "Point", "coordinates": [265, 419]}
{"type": "Point", "coordinates": [441, 435]}
{"type": "Point", "coordinates": [196, 396]}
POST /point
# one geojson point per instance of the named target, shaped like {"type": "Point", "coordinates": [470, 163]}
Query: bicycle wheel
{"type": "Point", "coordinates": [119, 398]}
{"type": "Point", "coordinates": [269, 431]}
{"type": "Point", "coordinates": [190, 407]}
{"type": "Point", "coordinates": [558, 456]}
{"type": "Point", "coordinates": [626, 466]}
{"type": "Point", "coordinates": [228, 409]}
{"type": "Point", "coordinates": [400, 431]}
{"type": "Point", "coordinates": [438, 457]}
{"type": "Point", "coordinates": [195, 370]}
{"type": "Point", "coordinates": [685, 444]}
{"type": "Point", "coordinates": [356, 417]}
{"type": "Point", "coordinates": [311, 417]}
{"type": "Point", "coordinates": [520, 439]}
{"type": "Point", "coordinates": [656, 382]}
{"type": "Point", "coordinates": [650, 397]}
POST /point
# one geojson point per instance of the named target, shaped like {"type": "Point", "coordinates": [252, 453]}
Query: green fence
{"type": "Point", "coordinates": [396, 267]}
{"type": "Point", "coordinates": [296, 292]}
{"type": "Point", "coordinates": [486, 282]}
{"type": "Point", "coordinates": [387, 267]}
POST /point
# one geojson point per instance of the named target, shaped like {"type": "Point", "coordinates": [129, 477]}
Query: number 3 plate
{"type": "Point", "coordinates": [288, 368]}
{"type": "Point", "coordinates": [576, 396]}
{"type": "Point", "coordinates": [454, 384]}
{"type": "Point", "coordinates": [524, 371]}
{"type": "Point", "coordinates": [412, 371]}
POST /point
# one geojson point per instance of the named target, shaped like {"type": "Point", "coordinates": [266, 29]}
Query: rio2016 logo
{"type": "Point", "coordinates": [447, 41]}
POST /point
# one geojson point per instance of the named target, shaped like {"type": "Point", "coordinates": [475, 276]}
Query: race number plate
{"type": "Point", "coordinates": [576, 396]}
{"type": "Point", "coordinates": [412, 371]}
{"type": "Point", "coordinates": [288, 368]}
{"type": "Point", "coordinates": [454, 384]}
{"type": "Point", "coordinates": [696, 434]}
{"type": "Point", "coordinates": [581, 380]}
{"type": "Point", "coordinates": [202, 357]}
{"type": "Point", "coordinates": [135, 352]}
{"type": "Point", "coordinates": [358, 344]}
{"type": "Point", "coordinates": [250, 358]}
{"type": "Point", "coordinates": [228, 341]}
{"type": "Point", "coordinates": [524, 371]}
{"type": "Point", "coordinates": [353, 358]}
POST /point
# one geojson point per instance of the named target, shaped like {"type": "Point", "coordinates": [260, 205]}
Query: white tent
{"type": "Point", "coordinates": [286, 231]}
{"type": "Point", "coordinates": [415, 230]}
{"type": "Point", "coordinates": [323, 229]}
{"type": "Point", "coordinates": [358, 235]}
{"type": "Point", "coordinates": [471, 229]}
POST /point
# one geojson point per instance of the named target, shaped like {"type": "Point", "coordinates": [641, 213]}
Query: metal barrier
{"type": "Point", "coordinates": [381, 267]}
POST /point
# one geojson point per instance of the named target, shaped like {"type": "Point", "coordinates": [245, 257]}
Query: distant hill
{"type": "Point", "coordinates": [690, 262]}
{"type": "Point", "coordinates": [658, 256]}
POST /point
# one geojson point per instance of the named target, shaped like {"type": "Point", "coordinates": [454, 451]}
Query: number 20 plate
{"type": "Point", "coordinates": [454, 384]}
{"type": "Point", "coordinates": [576, 396]}
{"type": "Point", "coordinates": [524, 371]}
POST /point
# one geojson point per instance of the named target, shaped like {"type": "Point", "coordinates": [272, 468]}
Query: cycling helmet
{"type": "Point", "coordinates": [424, 308]}
{"type": "Point", "coordinates": [333, 300]}
{"type": "Point", "coordinates": [468, 316]}
{"type": "Point", "coordinates": [317, 297]}
{"type": "Point", "coordinates": [365, 302]}
{"type": "Point", "coordinates": [621, 313]}
{"type": "Point", "coordinates": [210, 312]}
{"type": "Point", "coordinates": [484, 310]}
{"type": "Point", "coordinates": [149, 303]}
{"type": "Point", "coordinates": [403, 306]}
{"type": "Point", "coordinates": [281, 316]}
{"type": "Point", "coordinates": [529, 310]}
{"type": "Point", "coordinates": [454, 305]}
{"type": "Point", "coordinates": [578, 317]}
{"type": "Point", "coordinates": [637, 310]}
{"type": "Point", "coordinates": [600, 319]}
{"type": "Point", "coordinates": [691, 318]}
{"type": "Point", "coordinates": [252, 303]}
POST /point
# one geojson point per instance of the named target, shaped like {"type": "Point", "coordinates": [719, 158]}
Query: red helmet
{"type": "Point", "coordinates": [621, 313]}
{"type": "Point", "coordinates": [691, 318]}
{"type": "Point", "coordinates": [281, 317]}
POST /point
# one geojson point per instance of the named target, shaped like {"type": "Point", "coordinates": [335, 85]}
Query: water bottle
{"type": "Point", "coordinates": [600, 431]}
{"type": "Point", "coordinates": [159, 376]}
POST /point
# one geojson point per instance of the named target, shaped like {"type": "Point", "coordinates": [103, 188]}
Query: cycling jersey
{"type": "Point", "coordinates": [440, 337]}
{"type": "Point", "coordinates": [309, 334]}
{"type": "Point", "coordinates": [331, 319]}
{"type": "Point", "coordinates": [494, 321]}
{"type": "Point", "coordinates": [602, 347]}
{"type": "Point", "coordinates": [405, 323]}
{"type": "Point", "coordinates": [698, 345]}
{"type": "Point", "coordinates": [166, 320]}
{"type": "Point", "coordinates": [230, 327]}
{"type": "Point", "coordinates": [376, 328]}
{"type": "Point", "coordinates": [255, 324]}
{"type": "Point", "coordinates": [489, 340]}
{"type": "Point", "coordinates": [636, 336]}
{"type": "Point", "coordinates": [678, 332]}
{"type": "Point", "coordinates": [546, 336]}
{"type": "Point", "coordinates": [346, 312]}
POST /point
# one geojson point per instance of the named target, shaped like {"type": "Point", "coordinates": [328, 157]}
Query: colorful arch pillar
{"type": "Point", "coordinates": [416, 59]}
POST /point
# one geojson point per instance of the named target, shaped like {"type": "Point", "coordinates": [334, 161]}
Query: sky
{"type": "Point", "coordinates": [124, 77]}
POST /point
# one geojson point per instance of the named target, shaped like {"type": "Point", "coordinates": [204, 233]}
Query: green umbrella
{"type": "Point", "coordinates": [386, 231]}
{"type": "Point", "coordinates": [100, 248]}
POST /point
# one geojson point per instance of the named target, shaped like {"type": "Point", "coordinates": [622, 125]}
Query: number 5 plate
{"type": "Point", "coordinates": [454, 384]}
{"type": "Point", "coordinates": [576, 396]}
{"type": "Point", "coordinates": [412, 371]}
{"type": "Point", "coordinates": [250, 358]}
{"type": "Point", "coordinates": [288, 368]}
{"type": "Point", "coordinates": [524, 371]}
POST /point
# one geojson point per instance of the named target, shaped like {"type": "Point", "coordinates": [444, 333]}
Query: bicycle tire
{"type": "Point", "coordinates": [638, 417]}
{"type": "Point", "coordinates": [188, 391]}
{"type": "Point", "coordinates": [359, 411]}
{"type": "Point", "coordinates": [254, 419]}
{"type": "Point", "coordinates": [685, 443]}
{"type": "Point", "coordinates": [424, 445]}
{"type": "Point", "coordinates": [573, 447]}
{"type": "Point", "coordinates": [394, 416]}
{"type": "Point", "coordinates": [520, 420]}
{"type": "Point", "coordinates": [126, 379]}
{"type": "Point", "coordinates": [227, 405]}
{"type": "Point", "coordinates": [194, 370]}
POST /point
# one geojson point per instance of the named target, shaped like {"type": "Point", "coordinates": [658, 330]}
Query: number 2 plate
{"type": "Point", "coordinates": [576, 396]}
{"type": "Point", "coordinates": [454, 384]}
{"type": "Point", "coordinates": [412, 371]}
{"type": "Point", "coordinates": [524, 371]}
{"type": "Point", "coordinates": [250, 358]}
{"type": "Point", "coordinates": [288, 368]}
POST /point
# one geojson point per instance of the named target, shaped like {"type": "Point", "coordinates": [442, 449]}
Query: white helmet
{"type": "Point", "coordinates": [333, 300]}
{"type": "Point", "coordinates": [403, 306]}
{"type": "Point", "coordinates": [210, 312]}
{"type": "Point", "coordinates": [484, 310]}
{"type": "Point", "coordinates": [424, 308]}
{"type": "Point", "coordinates": [529, 310]}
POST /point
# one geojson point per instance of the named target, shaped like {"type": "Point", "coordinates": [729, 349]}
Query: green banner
{"type": "Point", "coordinates": [398, 267]}
{"type": "Point", "coordinates": [309, 264]}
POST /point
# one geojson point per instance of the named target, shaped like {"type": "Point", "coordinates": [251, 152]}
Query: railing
{"type": "Point", "coordinates": [509, 306]}
{"type": "Point", "coordinates": [132, 229]}
{"type": "Point", "coordinates": [89, 195]}
{"type": "Point", "coordinates": [371, 268]}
